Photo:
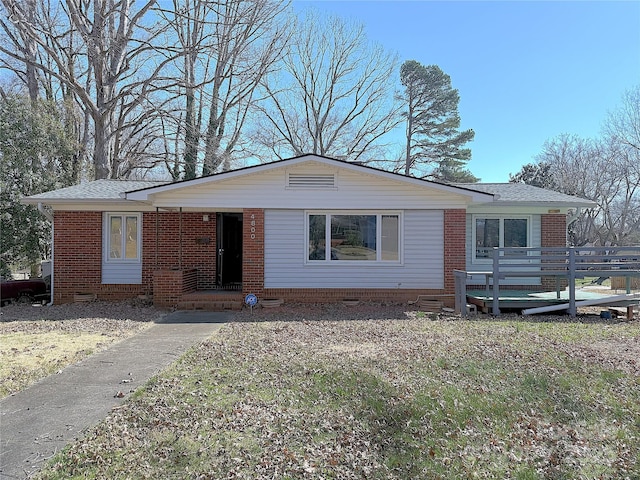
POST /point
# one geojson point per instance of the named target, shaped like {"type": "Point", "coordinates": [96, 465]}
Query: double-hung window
{"type": "Point", "coordinates": [123, 237]}
{"type": "Point", "coordinates": [353, 237]}
{"type": "Point", "coordinates": [490, 232]}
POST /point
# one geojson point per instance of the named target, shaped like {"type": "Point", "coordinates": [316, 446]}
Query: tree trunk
{"type": "Point", "coordinates": [190, 137]}
{"type": "Point", "coordinates": [101, 151]}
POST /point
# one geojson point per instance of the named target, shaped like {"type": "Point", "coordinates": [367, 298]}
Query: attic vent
{"type": "Point", "coordinates": [315, 180]}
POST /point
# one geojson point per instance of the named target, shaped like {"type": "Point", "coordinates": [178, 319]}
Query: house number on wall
{"type": "Point", "coordinates": [253, 227]}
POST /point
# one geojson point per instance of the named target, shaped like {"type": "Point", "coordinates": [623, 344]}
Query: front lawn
{"type": "Point", "coordinates": [40, 341]}
{"type": "Point", "coordinates": [412, 397]}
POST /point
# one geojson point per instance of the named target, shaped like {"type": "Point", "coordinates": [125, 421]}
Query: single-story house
{"type": "Point", "coordinates": [304, 229]}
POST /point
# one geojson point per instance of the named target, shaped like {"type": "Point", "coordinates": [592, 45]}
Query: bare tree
{"type": "Point", "coordinates": [188, 21]}
{"type": "Point", "coordinates": [622, 133]}
{"type": "Point", "coordinates": [102, 54]}
{"type": "Point", "coordinates": [229, 48]}
{"type": "Point", "coordinates": [247, 45]}
{"type": "Point", "coordinates": [334, 97]}
{"type": "Point", "coordinates": [603, 172]}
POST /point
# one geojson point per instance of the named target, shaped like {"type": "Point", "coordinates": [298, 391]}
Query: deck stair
{"type": "Point", "coordinates": [211, 301]}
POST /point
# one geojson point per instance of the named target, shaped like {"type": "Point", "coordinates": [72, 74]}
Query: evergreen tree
{"type": "Point", "coordinates": [449, 171]}
{"type": "Point", "coordinates": [431, 112]}
{"type": "Point", "coordinates": [536, 174]}
{"type": "Point", "coordinates": [35, 156]}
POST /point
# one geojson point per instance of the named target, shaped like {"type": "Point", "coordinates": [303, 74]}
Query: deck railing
{"type": "Point", "coordinates": [568, 263]}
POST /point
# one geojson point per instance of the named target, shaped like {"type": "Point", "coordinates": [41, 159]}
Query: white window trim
{"type": "Point", "coordinates": [379, 214]}
{"type": "Point", "coordinates": [106, 237]}
{"type": "Point", "coordinates": [502, 218]}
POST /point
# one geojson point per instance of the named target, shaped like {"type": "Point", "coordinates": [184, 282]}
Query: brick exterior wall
{"type": "Point", "coordinates": [171, 267]}
{"type": "Point", "coordinates": [77, 264]}
{"type": "Point", "coordinates": [253, 251]}
{"type": "Point", "coordinates": [77, 254]}
{"type": "Point", "coordinates": [553, 232]}
{"type": "Point", "coordinates": [455, 258]}
{"type": "Point", "coordinates": [196, 251]}
{"type": "Point", "coordinates": [170, 285]}
{"type": "Point", "coordinates": [336, 295]}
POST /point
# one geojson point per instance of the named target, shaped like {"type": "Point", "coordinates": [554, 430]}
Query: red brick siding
{"type": "Point", "coordinates": [335, 295]}
{"type": "Point", "coordinates": [553, 232]}
{"type": "Point", "coordinates": [78, 254]}
{"type": "Point", "coordinates": [195, 252]}
{"type": "Point", "coordinates": [253, 251]}
{"type": "Point", "coordinates": [77, 265]}
{"type": "Point", "coordinates": [455, 227]}
{"type": "Point", "coordinates": [170, 285]}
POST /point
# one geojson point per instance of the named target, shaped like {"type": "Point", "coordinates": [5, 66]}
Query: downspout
{"type": "Point", "coordinates": [49, 217]}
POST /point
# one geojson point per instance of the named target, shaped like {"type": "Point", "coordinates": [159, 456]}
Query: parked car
{"type": "Point", "coordinates": [32, 290]}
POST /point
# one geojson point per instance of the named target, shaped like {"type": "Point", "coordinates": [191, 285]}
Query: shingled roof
{"type": "Point", "coordinates": [98, 190]}
{"type": "Point", "coordinates": [523, 194]}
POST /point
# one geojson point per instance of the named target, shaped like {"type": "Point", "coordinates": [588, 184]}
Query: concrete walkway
{"type": "Point", "coordinates": [39, 421]}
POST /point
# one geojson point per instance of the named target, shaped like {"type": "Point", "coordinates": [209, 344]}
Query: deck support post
{"type": "Point", "coordinates": [496, 282]}
{"type": "Point", "coordinates": [461, 292]}
{"type": "Point", "coordinates": [572, 282]}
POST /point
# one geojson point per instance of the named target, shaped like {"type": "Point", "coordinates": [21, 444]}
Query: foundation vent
{"type": "Point", "coordinates": [312, 180]}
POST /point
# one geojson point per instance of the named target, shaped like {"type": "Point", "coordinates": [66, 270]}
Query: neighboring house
{"type": "Point", "coordinates": [305, 229]}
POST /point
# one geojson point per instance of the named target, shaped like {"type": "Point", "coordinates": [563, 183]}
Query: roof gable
{"type": "Point", "coordinates": [321, 164]}
{"type": "Point", "coordinates": [315, 177]}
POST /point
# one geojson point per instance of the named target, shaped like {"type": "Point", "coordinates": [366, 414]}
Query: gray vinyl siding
{"type": "Point", "coordinates": [121, 273]}
{"type": "Point", "coordinates": [422, 265]}
{"type": "Point", "coordinates": [535, 225]}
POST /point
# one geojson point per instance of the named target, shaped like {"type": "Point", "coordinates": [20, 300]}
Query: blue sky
{"type": "Point", "coordinates": [526, 71]}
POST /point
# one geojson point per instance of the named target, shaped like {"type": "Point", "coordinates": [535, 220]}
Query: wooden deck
{"type": "Point", "coordinates": [523, 299]}
{"type": "Point", "coordinates": [510, 264]}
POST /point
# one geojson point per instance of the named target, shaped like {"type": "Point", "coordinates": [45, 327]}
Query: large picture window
{"type": "Point", "coordinates": [490, 232]}
{"type": "Point", "coordinates": [353, 237]}
{"type": "Point", "coordinates": [123, 238]}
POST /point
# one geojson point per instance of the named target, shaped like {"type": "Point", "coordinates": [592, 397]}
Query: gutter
{"type": "Point", "coordinates": [49, 217]}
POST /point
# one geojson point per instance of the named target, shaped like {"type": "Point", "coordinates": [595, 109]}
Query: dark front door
{"type": "Point", "coordinates": [229, 243]}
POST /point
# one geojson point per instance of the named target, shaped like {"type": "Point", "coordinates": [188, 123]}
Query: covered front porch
{"type": "Point", "coordinates": [203, 260]}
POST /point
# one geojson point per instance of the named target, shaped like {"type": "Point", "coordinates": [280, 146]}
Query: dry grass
{"type": "Point", "coordinates": [27, 357]}
{"type": "Point", "coordinates": [391, 395]}
{"type": "Point", "coordinates": [38, 341]}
